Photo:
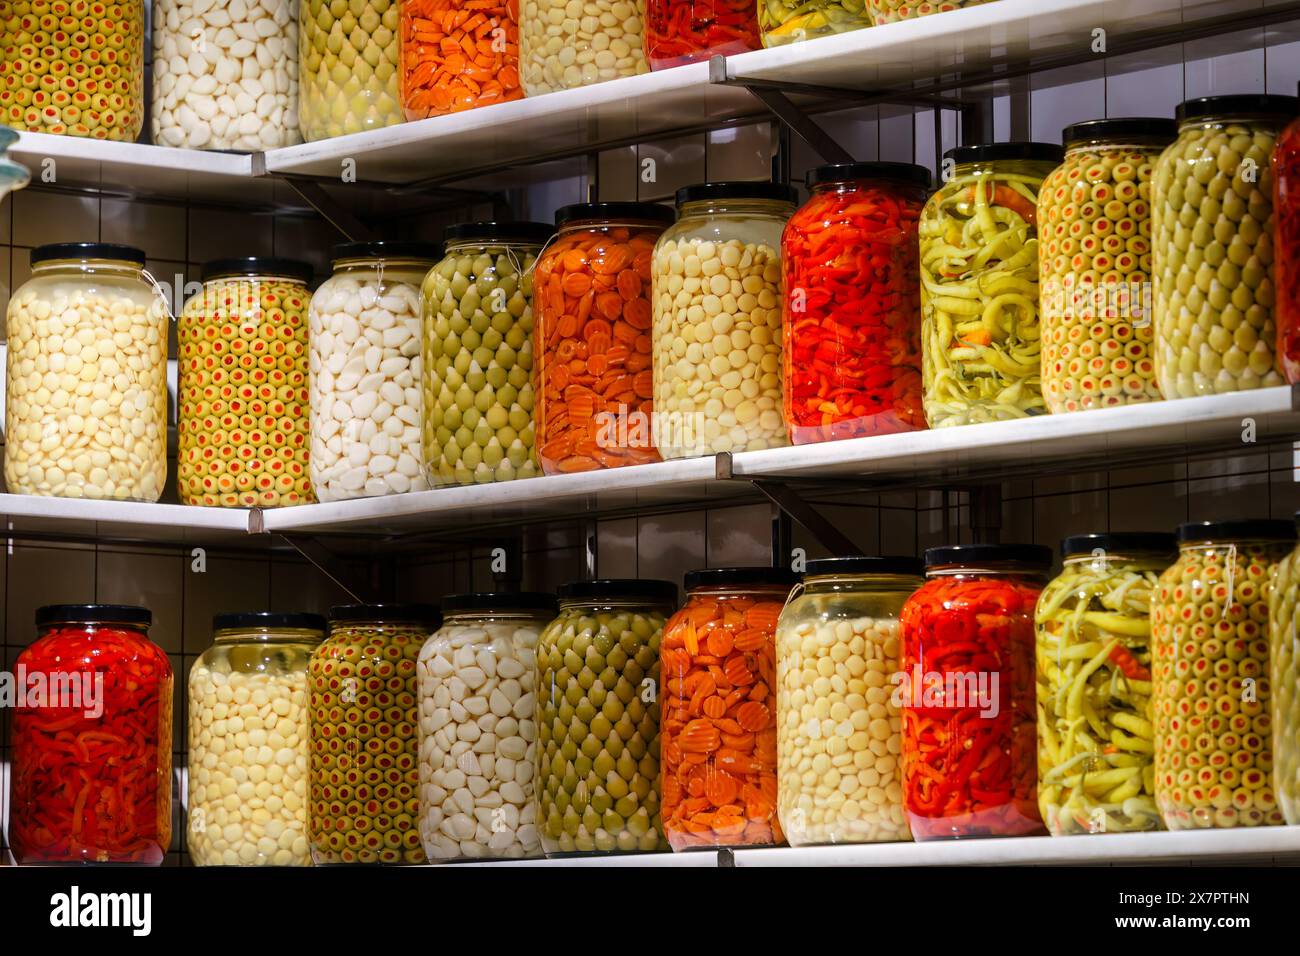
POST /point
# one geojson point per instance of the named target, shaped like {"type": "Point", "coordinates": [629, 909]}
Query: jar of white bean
{"type": "Point", "coordinates": [717, 321]}
{"type": "Point", "coordinates": [478, 727]}
{"type": "Point", "coordinates": [86, 396]}
{"type": "Point", "coordinates": [364, 333]}
{"type": "Point", "coordinates": [839, 731]}
{"type": "Point", "coordinates": [569, 43]}
{"type": "Point", "coordinates": [248, 741]}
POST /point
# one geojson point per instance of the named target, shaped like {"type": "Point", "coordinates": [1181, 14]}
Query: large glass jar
{"type": "Point", "coordinates": [1284, 680]}
{"type": "Point", "coordinates": [685, 31]}
{"type": "Point", "coordinates": [92, 752]}
{"type": "Point", "coordinates": [592, 345]}
{"type": "Point", "coordinates": [717, 321]}
{"type": "Point", "coordinates": [1212, 247]}
{"type": "Point", "coordinates": [74, 67]}
{"type": "Point", "coordinates": [852, 322]}
{"type": "Point", "coordinates": [86, 394]}
{"type": "Point", "coordinates": [565, 44]}
{"type": "Point", "coordinates": [248, 741]}
{"type": "Point", "coordinates": [365, 344]}
{"type": "Point", "coordinates": [979, 285]}
{"type": "Point", "coordinates": [790, 21]}
{"type": "Point", "coordinates": [458, 54]}
{"type": "Point", "coordinates": [478, 728]}
{"type": "Point", "coordinates": [1286, 255]}
{"type": "Point", "coordinates": [1095, 738]}
{"type": "Point", "coordinates": [598, 718]}
{"type": "Point", "coordinates": [719, 713]}
{"type": "Point", "coordinates": [1210, 676]}
{"type": "Point", "coordinates": [967, 692]}
{"type": "Point", "coordinates": [348, 58]}
{"type": "Point", "coordinates": [1094, 212]}
{"type": "Point", "coordinates": [363, 700]}
{"type": "Point", "coordinates": [225, 75]}
{"type": "Point", "coordinates": [839, 726]}
{"type": "Point", "coordinates": [888, 11]}
{"type": "Point", "coordinates": [478, 354]}
{"type": "Point", "coordinates": [242, 395]}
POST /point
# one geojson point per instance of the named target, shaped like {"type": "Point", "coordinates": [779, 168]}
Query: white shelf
{"type": "Point", "coordinates": [122, 520]}
{"type": "Point", "coordinates": [696, 859]}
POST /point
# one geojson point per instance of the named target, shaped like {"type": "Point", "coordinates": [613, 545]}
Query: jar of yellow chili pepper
{"type": "Point", "coordinates": [1284, 676]}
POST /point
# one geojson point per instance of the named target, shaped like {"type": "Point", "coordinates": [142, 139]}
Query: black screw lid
{"type": "Point", "coordinates": [273, 266]}
{"type": "Point", "coordinates": [387, 249]}
{"type": "Point", "coordinates": [615, 212]}
{"type": "Point", "coordinates": [908, 173]}
{"type": "Point", "coordinates": [1248, 104]}
{"type": "Point", "coordinates": [1120, 542]}
{"type": "Point", "coordinates": [425, 614]}
{"type": "Point", "coordinates": [870, 564]}
{"type": "Point", "coordinates": [239, 620]}
{"type": "Point", "coordinates": [93, 614]}
{"type": "Point", "coordinates": [652, 592]}
{"type": "Point", "coordinates": [975, 555]}
{"type": "Point", "coordinates": [1259, 529]}
{"type": "Point", "coordinates": [536, 233]}
{"type": "Point", "coordinates": [777, 192]}
{"type": "Point", "coordinates": [87, 250]}
{"type": "Point", "coordinates": [1138, 130]}
{"type": "Point", "coordinates": [506, 601]}
{"type": "Point", "coordinates": [1006, 152]}
{"type": "Point", "coordinates": [739, 577]}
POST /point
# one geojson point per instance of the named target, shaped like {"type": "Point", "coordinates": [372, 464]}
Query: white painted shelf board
{"type": "Point", "coordinates": [697, 859]}
{"type": "Point", "coordinates": [126, 520]}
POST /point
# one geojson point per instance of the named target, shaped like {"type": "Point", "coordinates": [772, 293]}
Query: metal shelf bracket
{"type": "Point", "coordinates": [784, 496]}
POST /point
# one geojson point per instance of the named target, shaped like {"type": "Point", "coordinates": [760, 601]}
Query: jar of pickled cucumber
{"type": "Point", "coordinates": [598, 718]}
{"type": "Point", "coordinates": [1284, 676]}
{"type": "Point", "coordinates": [1094, 212]}
{"type": "Point", "coordinates": [478, 354]}
{"type": "Point", "coordinates": [564, 44]}
{"type": "Point", "coordinates": [1211, 692]}
{"type": "Point", "coordinates": [478, 728]}
{"type": "Point", "coordinates": [363, 700]}
{"type": "Point", "coordinates": [980, 334]}
{"type": "Point", "coordinates": [1212, 247]}
{"type": "Point", "coordinates": [348, 61]}
{"type": "Point", "coordinates": [787, 21]}
{"type": "Point", "coordinates": [248, 738]}
{"type": "Point", "coordinates": [1096, 773]}
{"type": "Point", "coordinates": [1286, 198]}
{"type": "Point", "coordinates": [839, 726]}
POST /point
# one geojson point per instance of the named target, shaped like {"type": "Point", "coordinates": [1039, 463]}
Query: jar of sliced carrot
{"type": "Point", "coordinates": [592, 342]}
{"type": "Point", "coordinates": [717, 662]}
{"type": "Point", "coordinates": [458, 54]}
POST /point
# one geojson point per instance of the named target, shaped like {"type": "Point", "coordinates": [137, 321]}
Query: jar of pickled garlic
{"type": "Point", "coordinates": [348, 58]}
{"type": "Point", "coordinates": [592, 310]}
{"type": "Point", "coordinates": [1211, 692]}
{"type": "Point", "coordinates": [73, 67]}
{"type": "Point", "coordinates": [788, 21]}
{"type": "Point", "coordinates": [598, 718]}
{"type": "Point", "coordinates": [458, 54]}
{"type": "Point", "coordinates": [92, 740]}
{"type": "Point", "coordinates": [478, 728]}
{"type": "Point", "coordinates": [852, 321]}
{"type": "Point", "coordinates": [86, 393]}
{"type": "Point", "coordinates": [685, 31]}
{"type": "Point", "coordinates": [249, 739]}
{"type": "Point", "coordinates": [1284, 678]}
{"type": "Point", "coordinates": [979, 285]}
{"type": "Point", "coordinates": [839, 726]}
{"type": "Point", "coordinates": [1095, 265]}
{"type": "Point", "coordinates": [564, 44]}
{"type": "Point", "coordinates": [364, 328]}
{"type": "Point", "coordinates": [1286, 254]}
{"type": "Point", "coordinates": [966, 692]}
{"type": "Point", "coordinates": [242, 395]}
{"type": "Point", "coordinates": [1096, 773]}
{"type": "Point", "coordinates": [478, 354]}
{"type": "Point", "coordinates": [1212, 243]}
{"type": "Point", "coordinates": [364, 711]}
{"type": "Point", "coordinates": [889, 11]}
{"type": "Point", "coordinates": [719, 724]}
{"type": "Point", "coordinates": [717, 321]}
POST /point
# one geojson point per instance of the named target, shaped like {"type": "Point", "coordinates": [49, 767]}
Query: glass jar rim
{"type": "Point", "coordinates": [263, 634]}
{"type": "Point", "coordinates": [83, 252]}
{"type": "Point", "coordinates": [494, 233]}
{"type": "Point", "coordinates": [127, 614]}
{"type": "Point", "coordinates": [1148, 131]}
{"type": "Point", "coordinates": [257, 267]}
{"type": "Point", "coordinates": [609, 214]}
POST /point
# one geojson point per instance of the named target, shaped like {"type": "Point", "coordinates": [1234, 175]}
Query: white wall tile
{"type": "Point", "coordinates": [670, 545]}
{"type": "Point", "coordinates": [42, 217]}
{"type": "Point", "coordinates": [740, 537]}
{"type": "Point", "coordinates": [146, 580]}
{"type": "Point", "coordinates": [674, 163]}
{"type": "Point", "coordinates": [616, 548]}
{"type": "Point", "coordinates": [159, 229]}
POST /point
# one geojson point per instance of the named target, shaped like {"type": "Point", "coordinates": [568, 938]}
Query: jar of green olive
{"type": "Point", "coordinates": [598, 718]}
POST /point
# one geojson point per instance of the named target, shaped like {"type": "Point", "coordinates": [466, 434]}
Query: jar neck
{"type": "Point", "coordinates": [104, 267]}
{"type": "Point", "coordinates": [989, 570]}
{"type": "Point", "coordinates": [838, 583]}
{"type": "Point", "coordinates": [92, 627]}
{"type": "Point", "coordinates": [1102, 561]}
{"type": "Point", "coordinates": [1240, 544]}
{"type": "Point", "coordinates": [345, 266]}
{"type": "Point", "coordinates": [489, 616]}
{"type": "Point", "coordinates": [1097, 146]}
{"type": "Point", "coordinates": [612, 603]}
{"type": "Point", "coordinates": [767, 591]}
{"type": "Point", "coordinates": [602, 225]}
{"type": "Point", "coordinates": [259, 635]}
{"type": "Point", "coordinates": [735, 207]}
{"type": "Point", "coordinates": [1249, 119]}
{"type": "Point", "coordinates": [280, 280]}
{"type": "Point", "coordinates": [482, 245]}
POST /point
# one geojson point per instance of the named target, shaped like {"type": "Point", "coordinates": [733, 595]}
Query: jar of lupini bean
{"type": "Point", "coordinates": [569, 43]}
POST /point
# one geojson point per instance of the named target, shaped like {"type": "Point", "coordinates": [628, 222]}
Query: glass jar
{"type": "Point", "coordinates": [242, 396]}
{"type": "Point", "coordinates": [248, 739]}
{"type": "Point", "coordinates": [718, 668]}
{"type": "Point", "coordinates": [979, 285]}
{"type": "Point", "coordinates": [73, 67]}
{"type": "Point", "coordinates": [1212, 247]}
{"type": "Point", "coordinates": [478, 354]}
{"type": "Point", "coordinates": [86, 393]}
{"type": "Point", "coordinates": [226, 78]}
{"type": "Point", "coordinates": [13, 176]}
{"type": "Point", "coordinates": [1095, 265]}
{"type": "Point", "coordinates": [1210, 676]}
{"type": "Point", "coordinates": [1095, 739]}
{"type": "Point", "coordinates": [562, 46]}
{"type": "Point", "coordinates": [1286, 255]}
{"type": "Point", "coordinates": [365, 337]}
{"type": "Point", "coordinates": [363, 707]}
{"type": "Point", "coordinates": [348, 57]}
{"type": "Point", "coordinates": [92, 740]}
{"type": "Point", "coordinates": [1284, 674]}
{"type": "Point", "coordinates": [717, 321]}
{"type": "Point", "coordinates": [439, 74]}
{"type": "Point", "coordinates": [478, 728]}
{"type": "Point", "coordinates": [888, 11]}
{"type": "Point", "coordinates": [789, 21]}
{"type": "Point", "coordinates": [592, 368]}
{"type": "Point", "coordinates": [839, 727]}
{"type": "Point", "coordinates": [966, 690]}
{"type": "Point", "coordinates": [598, 718]}
{"type": "Point", "coordinates": [852, 324]}
{"type": "Point", "coordinates": [686, 31]}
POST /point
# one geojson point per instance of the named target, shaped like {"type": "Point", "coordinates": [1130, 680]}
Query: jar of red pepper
{"type": "Point", "coordinates": [684, 31]}
{"type": "Point", "coordinates": [851, 257]}
{"type": "Point", "coordinates": [966, 690]}
{"type": "Point", "coordinates": [1286, 199]}
{"type": "Point", "coordinates": [92, 738]}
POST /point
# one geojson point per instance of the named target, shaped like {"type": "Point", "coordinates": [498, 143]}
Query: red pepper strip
{"type": "Point", "coordinates": [1131, 667]}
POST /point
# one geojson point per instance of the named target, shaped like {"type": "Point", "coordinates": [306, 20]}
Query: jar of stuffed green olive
{"type": "Point", "coordinates": [598, 718]}
{"type": "Point", "coordinates": [1284, 676]}
{"type": "Point", "coordinates": [478, 354]}
{"type": "Point", "coordinates": [363, 704]}
{"type": "Point", "coordinates": [1212, 247]}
